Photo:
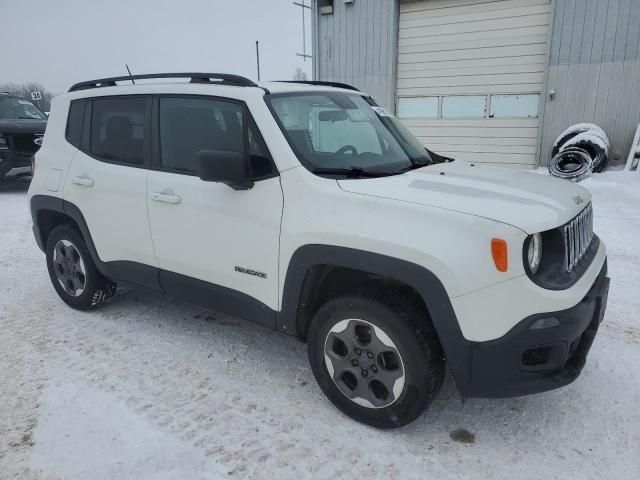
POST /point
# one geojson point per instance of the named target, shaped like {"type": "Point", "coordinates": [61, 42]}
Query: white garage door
{"type": "Point", "coordinates": [470, 74]}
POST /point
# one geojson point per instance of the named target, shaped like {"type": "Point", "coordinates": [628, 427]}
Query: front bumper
{"type": "Point", "coordinates": [526, 360]}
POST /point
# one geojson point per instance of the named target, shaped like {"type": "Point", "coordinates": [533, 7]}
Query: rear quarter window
{"type": "Point", "coordinates": [75, 122]}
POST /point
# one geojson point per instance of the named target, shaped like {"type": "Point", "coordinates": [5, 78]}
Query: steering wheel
{"type": "Point", "coordinates": [347, 148]}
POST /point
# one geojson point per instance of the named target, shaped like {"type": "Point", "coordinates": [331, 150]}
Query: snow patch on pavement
{"type": "Point", "coordinates": [150, 387]}
{"type": "Point", "coordinates": [83, 430]}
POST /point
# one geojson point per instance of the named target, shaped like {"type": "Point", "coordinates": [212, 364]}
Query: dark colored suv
{"type": "Point", "coordinates": [22, 126]}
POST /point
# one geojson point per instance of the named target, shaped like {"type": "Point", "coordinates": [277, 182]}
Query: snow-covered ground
{"type": "Point", "coordinates": [152, 388]}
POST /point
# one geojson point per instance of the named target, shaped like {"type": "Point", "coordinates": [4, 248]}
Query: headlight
{"type": "Point", "coordinates": [534, 252]}
{"type": "Point", "coordinates": [3, 143]}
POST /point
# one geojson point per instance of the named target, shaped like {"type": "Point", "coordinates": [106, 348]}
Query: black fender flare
{"type": "Point", "coordinates": [139, 274]}
{"type": "Point", "coordinates": [426, 283]}
{"type": "Point", "coordinates": [41, 203]}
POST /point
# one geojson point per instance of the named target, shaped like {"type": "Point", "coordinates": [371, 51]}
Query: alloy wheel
{"type": "Point", "coordinates": [69, 268]}
{"type": "Point", "coordinates": [364, 363]}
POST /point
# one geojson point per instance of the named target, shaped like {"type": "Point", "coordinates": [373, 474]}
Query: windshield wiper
{"type": "Point", "coordinates": [353, 172]}
{"type": "Point", "coordinates": [413, 166]}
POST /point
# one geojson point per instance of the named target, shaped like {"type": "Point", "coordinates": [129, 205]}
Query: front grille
{"type": "Point", "coordinates": [578, 234]}
{"type": "Point", "coordinates": [23, 142]}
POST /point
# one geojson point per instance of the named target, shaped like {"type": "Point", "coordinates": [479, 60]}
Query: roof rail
{"type": "Point", "coordinates": [217, 78]}
{"type": "Point", "coordinates": [321, 83]}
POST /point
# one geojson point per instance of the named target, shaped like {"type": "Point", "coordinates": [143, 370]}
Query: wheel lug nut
{"type": "Point", "coordinates": [358, 351]}
{"type": "Point", "coordinates": [365, 372]}
{"type": "Point", "coordinates": [374, 369]}
{"type": "Point", "coordinates": [369, 355]}
{"type": "Point", "coordinates": [354, 363]}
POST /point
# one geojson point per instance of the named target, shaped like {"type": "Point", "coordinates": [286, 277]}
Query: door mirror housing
{"type": "Point", "coordinates": [230, 168]}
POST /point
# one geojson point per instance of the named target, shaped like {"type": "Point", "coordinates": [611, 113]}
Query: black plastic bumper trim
{"type": "Point", "coordinates": [496, 368]}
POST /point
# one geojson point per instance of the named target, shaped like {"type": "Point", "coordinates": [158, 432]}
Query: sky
{"type": "Point", "coordinates": [61, 42]}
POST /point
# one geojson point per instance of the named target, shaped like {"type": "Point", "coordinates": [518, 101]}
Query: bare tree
{"type": "Point", "coordinates": [300, 74]}
{"type": "Point", "coordinates": [25, 89]}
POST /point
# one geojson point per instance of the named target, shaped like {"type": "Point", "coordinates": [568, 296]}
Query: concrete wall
{"type": "Point", "coordinates": [358, 44]}
{"type": "Point", "coordinates": [594, 69]}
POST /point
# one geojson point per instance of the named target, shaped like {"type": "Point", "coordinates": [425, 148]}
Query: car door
{"type": "Point", "coordinates": [225, 239]}
{"type": "Point", "coordinates": [107, 177]}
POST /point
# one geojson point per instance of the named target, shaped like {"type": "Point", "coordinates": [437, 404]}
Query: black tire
{"type": "Point", "coordinates": [409, 329]}
{"type": "Point", "coordinates": [597, 150]}
{"type": "Point", "coordinates": [574, 131]}
{"type": "Point", "coordinates": [573, 164]}
{"type": "Point", "coordinates": [560, 141]}
{"type": "Point", "coordinates": [96, 289]}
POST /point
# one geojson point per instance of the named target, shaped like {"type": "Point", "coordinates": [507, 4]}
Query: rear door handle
{"type": "Point", "coordinates": [83, 181]}
{"type": "Point", "coordinates": [166, 197]}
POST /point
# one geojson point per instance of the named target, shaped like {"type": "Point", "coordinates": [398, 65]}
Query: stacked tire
{"type": "Point", "coordinates": [578, 151]}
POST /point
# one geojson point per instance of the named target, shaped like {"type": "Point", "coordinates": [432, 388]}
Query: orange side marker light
{"type": "Point", "coordinates": [499, 254]}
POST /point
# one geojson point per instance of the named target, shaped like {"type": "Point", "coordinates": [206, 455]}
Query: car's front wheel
{"type": "Point", "coordinates": [73, 272]}
{"type": "Point", "coordinates": [377, 361]}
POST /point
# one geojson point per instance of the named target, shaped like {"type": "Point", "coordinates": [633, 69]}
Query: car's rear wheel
{"type": "Point", "coordinates": [379, 362]}
{"type": "Point", "coordinates": [72, 271]}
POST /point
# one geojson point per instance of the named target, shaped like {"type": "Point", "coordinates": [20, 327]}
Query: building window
{"type": "Point", "coordinates": [418, 107]}
{"type": "Point", "coordinates": [470, 106]}
{"type": "Point", "coordinates": [464, 106]}
{"type": "Point", "coordinates": [515, 106]}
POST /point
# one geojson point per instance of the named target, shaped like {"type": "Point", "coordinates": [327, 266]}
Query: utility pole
{"type": "Point", "coordinates": [258, 57]}
{"type": "Point", "coordinates": [304, 31]}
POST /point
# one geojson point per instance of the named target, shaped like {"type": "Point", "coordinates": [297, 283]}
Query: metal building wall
{"type": "Point", "coordinates": [594, 70]}
{"type": "Point", "coordinates": [357, 44]}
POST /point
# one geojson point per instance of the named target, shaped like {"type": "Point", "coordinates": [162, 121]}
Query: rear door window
{"type": "Point", "coordinates": [119, 129]}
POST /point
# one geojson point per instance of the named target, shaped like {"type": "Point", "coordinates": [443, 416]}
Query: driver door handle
{"type": "Point", "coordinates": [166, 198]}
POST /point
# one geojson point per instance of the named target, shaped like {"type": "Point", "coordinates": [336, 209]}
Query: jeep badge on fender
{"type": "Point", "coordinates": [250, 272]}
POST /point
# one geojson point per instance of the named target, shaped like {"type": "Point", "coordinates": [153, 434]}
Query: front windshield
{"type": "Point", "coordinates": [12, 108]}
{"type": "Point", "coordinates": [342, 131]}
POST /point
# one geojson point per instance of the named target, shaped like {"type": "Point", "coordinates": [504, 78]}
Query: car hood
{"type": "Point", "coordinates": [531, 202]}
{"type": "Point", "coordinates": [22, 126]}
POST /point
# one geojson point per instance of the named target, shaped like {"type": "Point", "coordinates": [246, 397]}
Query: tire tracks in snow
{"type": "Point", "coordinates": [239, 417]}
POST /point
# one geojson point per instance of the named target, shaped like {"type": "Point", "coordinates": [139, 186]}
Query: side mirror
{"type": "Point", "coordinates": [225, 167]}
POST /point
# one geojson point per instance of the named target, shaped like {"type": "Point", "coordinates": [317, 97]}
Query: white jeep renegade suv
{"type": "Point", "coordinates": [308, 209]}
